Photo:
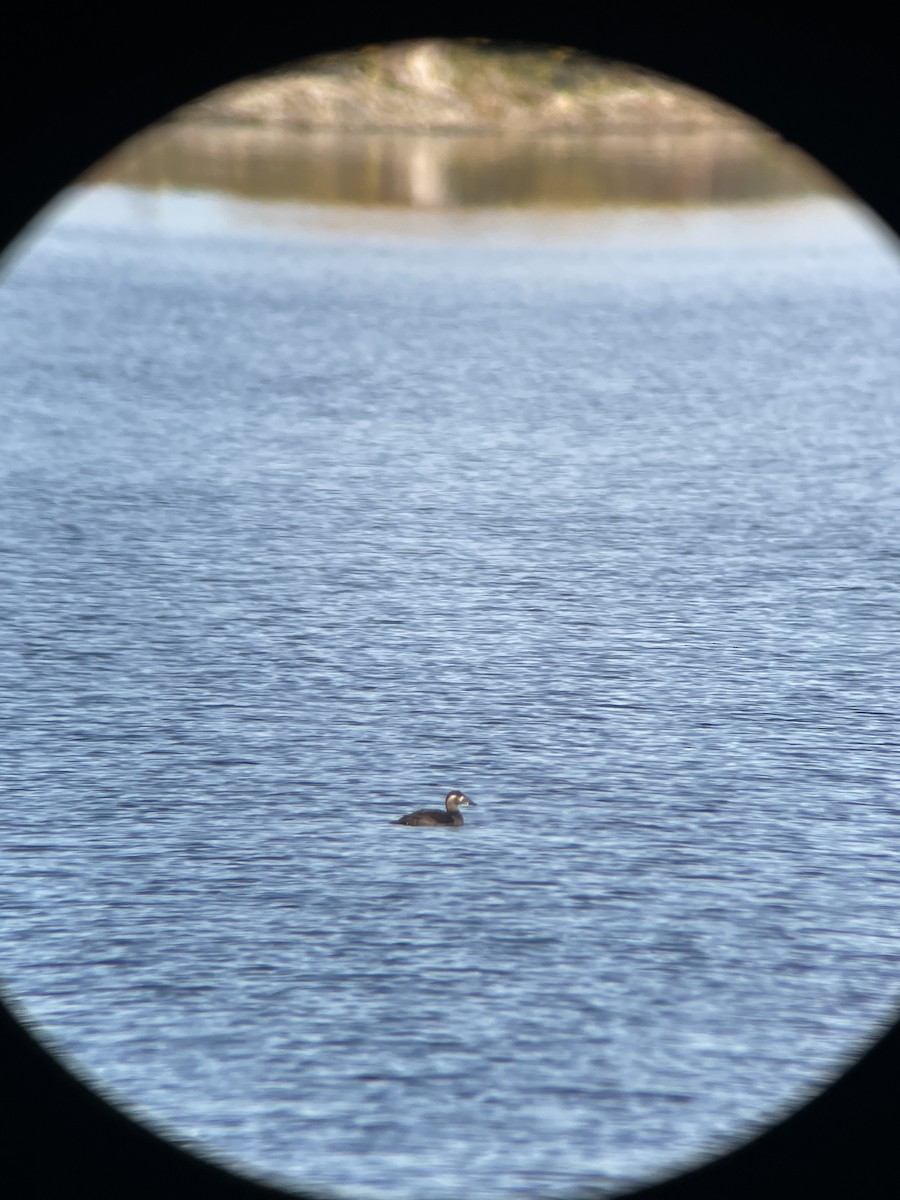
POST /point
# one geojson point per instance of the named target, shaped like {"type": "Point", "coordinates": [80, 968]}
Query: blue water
{"type": "Point", "coordinates": [304, 524]}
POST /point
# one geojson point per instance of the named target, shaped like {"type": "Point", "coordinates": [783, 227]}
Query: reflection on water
{"type": "Point", "coordinates": [441, 171]}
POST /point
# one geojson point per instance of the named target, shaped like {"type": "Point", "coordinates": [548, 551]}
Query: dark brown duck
{"type": "Point", "coordinates": [433, 816]}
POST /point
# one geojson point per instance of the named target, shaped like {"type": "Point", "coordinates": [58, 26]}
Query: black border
{"type": "Point", "coordinates": [77, 82]}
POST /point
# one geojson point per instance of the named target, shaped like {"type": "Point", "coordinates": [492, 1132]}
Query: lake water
{"type": "Point", "coordinates": [744, 162]}
{"type": "Point", "coordinates": [307, 519]}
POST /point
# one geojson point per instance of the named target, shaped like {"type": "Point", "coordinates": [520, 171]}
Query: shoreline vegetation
{"type": "Point", "coordinates": [468, 87]}
{"type": "Point", "coordinates": [464, 124]}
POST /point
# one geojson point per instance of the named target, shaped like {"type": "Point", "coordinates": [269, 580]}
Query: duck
{"type": "Point", "coordinates": [433, 816]}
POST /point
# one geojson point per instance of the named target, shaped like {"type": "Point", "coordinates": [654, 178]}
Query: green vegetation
{"type": "Point", "coordinates": [469, 86]}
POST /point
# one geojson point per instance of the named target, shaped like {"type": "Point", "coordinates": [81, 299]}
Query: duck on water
{"type": "Point", "coordinates": [433, 816]}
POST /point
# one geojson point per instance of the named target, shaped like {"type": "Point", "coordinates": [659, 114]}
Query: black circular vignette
{"type": "Point", "coordinates": [77, 84]}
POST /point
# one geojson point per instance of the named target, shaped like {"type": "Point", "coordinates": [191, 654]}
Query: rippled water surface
{"type": "Point", "coordinates": [303, 526]}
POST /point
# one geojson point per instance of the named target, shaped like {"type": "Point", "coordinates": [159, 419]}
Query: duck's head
{"type": "Point", "coordinates": [457, 799]}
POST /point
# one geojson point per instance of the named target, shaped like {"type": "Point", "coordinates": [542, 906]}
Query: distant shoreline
{"type": "Point", "coordinates": [469, 88]}
{"type": "Point", "coordinates": [434, 124]}
{"type": "Point", "coordinates": [227, 122]}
